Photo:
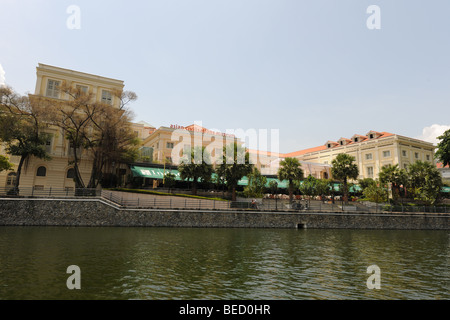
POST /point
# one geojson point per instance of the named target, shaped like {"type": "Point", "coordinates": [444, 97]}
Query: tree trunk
{"type": "Point", "coordinates": [194, 187]}
{"type": "Point", "coordinates": [291, 191]}
{"type": "Point", "coordinates": [233, 194]}
{"type": "Point", "coordinates": [18, 173]}
{"type": "Point", "coordinates": [78, 179]}
{"type": "Point", "coordinates": [345, 192]}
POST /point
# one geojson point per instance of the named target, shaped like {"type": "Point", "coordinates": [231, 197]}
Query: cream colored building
{"type": "Point", "coordinates": [371, 151]}
{"type": "Point", "coordinates": [58, 173]}
{"type": "Point", "coordinates": [170, 144]}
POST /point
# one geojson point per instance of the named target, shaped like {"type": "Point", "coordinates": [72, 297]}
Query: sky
{"type": "Point", "coordinates": [311, 69]}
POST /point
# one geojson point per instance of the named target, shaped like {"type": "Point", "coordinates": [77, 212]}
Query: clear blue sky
{"type": "Point", "coordinates": [311, 69]}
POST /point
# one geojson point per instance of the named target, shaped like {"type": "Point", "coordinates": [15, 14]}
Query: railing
{"type": "Point", "coordinates": [138, 201]}
{"type": "Point", "coordinates": [48, 192]}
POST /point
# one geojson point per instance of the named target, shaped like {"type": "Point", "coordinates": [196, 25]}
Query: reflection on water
{"type": "Point", "coordinates": [171, 263]}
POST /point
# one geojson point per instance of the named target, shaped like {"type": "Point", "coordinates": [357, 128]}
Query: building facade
{"type": "Point", "coordinates": [58, 173]}
{"type": "Point", "coordinates": [371, 151]}
{"type": "Point", "coordinates": [167, 145]}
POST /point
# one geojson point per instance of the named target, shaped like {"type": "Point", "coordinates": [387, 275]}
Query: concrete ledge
{"type": "Point", "coordinates": [97, 212]}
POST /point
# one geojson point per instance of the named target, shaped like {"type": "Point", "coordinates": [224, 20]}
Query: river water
{"type": "Point", "coordinates": [218, 264]}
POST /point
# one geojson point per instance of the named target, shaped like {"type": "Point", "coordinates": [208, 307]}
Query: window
{"type": "Point", "coordinates": [106, 97]}
{"type": "Point", "coordinates": [38, 187]}
{"type": "Point", "coordinates": [341, 143]}
{"type": "Point", "coordinates": [368, 156]}
{"type": "Point", "coordinates": [70, 173]}
{"type": "Point", "coordinates": [329, 145]}
{"type": "Point", "coordinates": [405, 166]}
{"type": "Point", "coordinates": [386, 153]}
{"type": "Point", "coordinates": [169, 145]}
{"type": "Point", "coordinates": [41, 172]}
{"type": "Point", "coordinates": [82, 90]}
{"type": "Point", "coordinates": [11, 180]}
{"type": "Point", "coordinates": [370, 172]}
{"type": "Point", "coordinates": [416, 155]}
{"type": "Point", "coordinates": [404, 153]}
{"type": "Point", "coordinates": [371, 136]}
{"type": "Point", "coordinates": [355, 139]}
{"type": "Point", "coordinates": [48, 145]}
{"type": "Point", "coordinates": [53, 88]}
{"type": "Point", "coordinates": [428, 157]}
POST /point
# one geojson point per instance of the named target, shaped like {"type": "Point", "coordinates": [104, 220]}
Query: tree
{"type": "Point", "coordinates": [343, 168]}
{"type": "Point", "coordinates": [290, 169]}
{"type": "Point", "coordinates": [5, 164]}
{"type": "Point", "coordinates": [395, 176]}
{"type": "Point", "coordinates": [443, 152]}
{"type": "Point", "coordinates": [256, 184]}
{"type": "Point", "coordinates": [196, 166]}
{"type": "Point", "coordinates": [426, 181]}
{"type": "Point", "coordinates": [169, 180]}
{"type": "Point", "coordinates": [324, 187]}
{"type": "Point", "coordinates": [235, 165]}
{"type": "Point", "coordinates": [375, 193]}
{"type": "Point", "coordinates": [99, 129]}
{"type": "Point", "coordinates": [112, 141]}
{"type": "Point", "coordinates": [22, 125]}
{"type": "Point", "coordinates": [273, 186]}
{"type": "Point", "coordinates": [366, 182]}
{"type": "Point", "coordinates": [308, 187]}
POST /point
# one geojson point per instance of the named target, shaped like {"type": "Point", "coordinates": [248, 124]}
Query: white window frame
{"type": "Point", "coordinates": [107, 97]}
{"type": "Point", "coordinates": [52, 90]}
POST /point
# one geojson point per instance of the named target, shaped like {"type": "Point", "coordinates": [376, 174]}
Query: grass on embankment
{"type": "Point", "coordinates": [159, 193]}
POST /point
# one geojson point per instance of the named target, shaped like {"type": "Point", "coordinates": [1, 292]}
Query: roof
{"type": "Point", "coordinates": [350, 142]}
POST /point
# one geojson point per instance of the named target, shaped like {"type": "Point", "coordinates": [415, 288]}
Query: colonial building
{"type": "Point", "coordinates": [58, 173]}
{"type": "Point", "coordinates": [371, 151]}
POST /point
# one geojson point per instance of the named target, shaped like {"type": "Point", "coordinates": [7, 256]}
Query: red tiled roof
{"type": "Point", "coordinates": [320, 148]}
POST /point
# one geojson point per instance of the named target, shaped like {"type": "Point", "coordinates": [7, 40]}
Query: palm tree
{"type": "Point", "coordinates": [425, 180]}
{"type": "Point", "coordinates": [290, 169]}
{"type": "Point", "coordinates": [343, 168]}
{"type": "Point", "coordinates": [394, 175]}
{"type": "Point", "coordinates": [195, 166]}
{"type": "Point", "coordinates": [235, 165]}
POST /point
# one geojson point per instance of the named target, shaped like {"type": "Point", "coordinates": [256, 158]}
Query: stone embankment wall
{"type": "Point", "coordinates": [101, 213]}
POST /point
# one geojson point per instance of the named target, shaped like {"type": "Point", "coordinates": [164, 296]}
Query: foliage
{"type": "Point", "coordinates": [169, 180]}
{"type": "Point", "coordinates": [425, 181]}
{"type": "Point", "coordinates": [196, 166]}
{"type": "Point", "coordinates": [273, 186]}
{"type": "Point", "coordinates": [235, 165]}
{"type": "Point", "coordinates": [5, 164]}
{"type": "Point", "coordinates": [366, 182]}
{"type": "Point", "coordinates": [22, 125]}
{"type": "Point", "coordinates": [395, 176]}
{"type": "Point", "coordinates": [375, 193]}
{"type": "Point", "coordinates": [256, 184]}
{"type": "Point", "coordinates": [443, 148]}
{"type": "Point", "coordinates": [290, 169]}
{"type": "Point", "coordinates": [343, 169]}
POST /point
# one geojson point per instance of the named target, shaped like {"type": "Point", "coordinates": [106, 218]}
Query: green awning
{"type": "Point", "coordinates": [445, 189]}
{"type": "Point", "coordinates": [153, 173]}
